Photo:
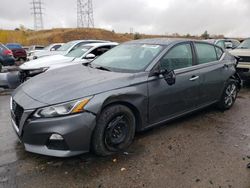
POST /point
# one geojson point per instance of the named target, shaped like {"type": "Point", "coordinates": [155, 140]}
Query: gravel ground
{"type": "Point", "coordinates": [206, 149]}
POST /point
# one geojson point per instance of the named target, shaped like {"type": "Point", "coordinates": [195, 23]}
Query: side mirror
{"type": "Point", "coordinates": [90, 56]}
{"type": "Point", "coordinates": [229, 45]}
{"type": "Point", "coordinates": [169, 76]}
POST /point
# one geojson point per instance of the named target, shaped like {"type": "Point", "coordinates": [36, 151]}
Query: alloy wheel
{"type": "Point", "coordinates": [230, 94]}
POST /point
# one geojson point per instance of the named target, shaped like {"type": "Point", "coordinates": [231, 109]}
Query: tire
{"type": "Point", "coordinates": [115, 130]}
{"type": "Point", "coordinates": [229, 95]}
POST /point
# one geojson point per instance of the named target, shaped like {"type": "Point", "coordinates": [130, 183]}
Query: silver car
{"type": "Point", "coordinates": [137, 85]}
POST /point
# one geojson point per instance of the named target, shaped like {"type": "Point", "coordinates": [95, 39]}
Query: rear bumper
{"type": "Point", "coordinates": [243, 70]}
{"type": "Point", "coordinates": [76, 131]}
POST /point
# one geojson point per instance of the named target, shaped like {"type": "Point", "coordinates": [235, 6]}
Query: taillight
{"type": "Point", "coordinates": [7, 52]}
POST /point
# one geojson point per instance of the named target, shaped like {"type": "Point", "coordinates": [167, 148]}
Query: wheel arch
{"type": "Point", "coordinates": [113, 101]}
{"type": "Point", "coordinates": [238, 79]}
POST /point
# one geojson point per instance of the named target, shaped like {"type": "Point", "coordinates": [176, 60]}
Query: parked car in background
{"type": "Point", "coordinates": [82, 54]}
{"type": "Point", "coordinates": [228, 44]}
{"type": "Point", "coordinates": [26, 48]}
{"type": "Point", "coordinates": [70, 46]}
{"type": "Point", "coordinates": [34, 48]}
{"type": "Point", "coordinates": [44, 51]}
{"type": "Point", "coordinates": [18, 52]}
{"type": "Point", "coordinates": [243, 52]}
{"type": "Point", "coordinates": [99, 106]}
{"type": "Point", "coordinates": [6, 57]}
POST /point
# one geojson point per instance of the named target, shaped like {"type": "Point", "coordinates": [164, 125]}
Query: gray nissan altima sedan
{"type": "Point", "coordinates": [99, 106]}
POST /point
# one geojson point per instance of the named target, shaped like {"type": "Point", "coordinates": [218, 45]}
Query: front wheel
{"type": "Point", "coordinates": [229, 95]}
{"type": "Point", "coordinates": [114, 131]}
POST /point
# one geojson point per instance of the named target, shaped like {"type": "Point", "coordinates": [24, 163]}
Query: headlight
{"type": "Point", "coordinates": [38, 71]}
{"type": "Point", "coordinates": [72, 107]}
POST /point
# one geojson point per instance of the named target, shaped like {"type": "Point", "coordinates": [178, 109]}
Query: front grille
{"type": "Point", "coordinates": [245, 59]}
{"type": "Point", "coordinates": [18, 112]}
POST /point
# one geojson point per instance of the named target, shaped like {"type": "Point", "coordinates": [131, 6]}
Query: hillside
{"type": "Point", "coordinates": [58, 35]}
{"type": "Point", "coordinates": [45, 37]}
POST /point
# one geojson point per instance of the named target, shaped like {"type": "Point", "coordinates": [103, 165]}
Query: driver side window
{"type": "Point", "coordinates": [178, 57]}
{"type": "Point", "coordinates": [101, 50]}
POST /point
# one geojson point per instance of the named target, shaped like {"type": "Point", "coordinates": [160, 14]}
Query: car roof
{"type": "Point", "coordinates": [101, 44]}
{"type": "Point", "coordinates": [77, 41]}
{"type": "Point", "coordinates": [160, 41]}
{"type": "Point", "coordinates": [13, 44]}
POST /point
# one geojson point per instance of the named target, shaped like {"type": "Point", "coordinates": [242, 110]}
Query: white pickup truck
{"type": "Point", "coordinates": [243, 52]}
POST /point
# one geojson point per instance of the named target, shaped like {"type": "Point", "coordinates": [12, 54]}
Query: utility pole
{"type": "Point", "coordinates": [85, 14]}
{"type": "Point", "coordinates": [36, 7]}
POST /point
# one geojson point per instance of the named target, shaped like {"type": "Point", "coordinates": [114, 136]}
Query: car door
{"type": "Point", "coordinates": [213, 71]}
{"type": "Point", "coordinates": [167, 101]}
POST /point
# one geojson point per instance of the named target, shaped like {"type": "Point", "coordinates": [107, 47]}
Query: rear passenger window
{"type": "Point", "coordinates": [219, 52]}
{"type": "Point", "coordinates": [178, 57]}
{"type": "Point", "coordinates": [206, 53]}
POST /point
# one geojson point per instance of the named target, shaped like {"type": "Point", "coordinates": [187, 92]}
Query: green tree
{"type": "Point", "coordinates": [137, 36]}
{"type": "Point", "coordinates": [205, 35]}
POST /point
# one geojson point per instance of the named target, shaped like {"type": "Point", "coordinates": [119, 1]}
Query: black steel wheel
{"type": "Point", "coordinates": [114, 131]}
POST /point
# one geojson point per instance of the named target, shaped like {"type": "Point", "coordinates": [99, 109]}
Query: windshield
{"type": "Point", "coordinates": [128, 57]}
{"type": "Point", "coordinates": [245, 44]}
{"type": "Point", "coordinates": [79, 52]}
{"type": "Point", "coordinates": [47, 47]}
{"type": "Point", "coordinates": [66, 46]}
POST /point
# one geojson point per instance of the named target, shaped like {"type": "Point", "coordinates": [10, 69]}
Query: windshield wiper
{"type": "Point", "coordinates": [102, 68]}
{"type": "Point", "coordinates": [95, 67]}
{"type": "Point", "coordinates": [242, 47]}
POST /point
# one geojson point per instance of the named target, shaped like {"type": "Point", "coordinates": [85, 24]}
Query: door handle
{"type": "Point", "coordinates": [194, 78]}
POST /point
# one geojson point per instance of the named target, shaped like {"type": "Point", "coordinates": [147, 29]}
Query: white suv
{"type": "Point", "coordinates": [243, 52]}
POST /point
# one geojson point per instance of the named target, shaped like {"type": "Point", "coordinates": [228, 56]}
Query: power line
{"type": "Point", "coordinates": [36, 7]}
{"type": "Point", "coordinates": [85, 14]}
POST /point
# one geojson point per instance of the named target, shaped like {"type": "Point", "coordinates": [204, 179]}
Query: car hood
{"type": "Point", "coordinates": [43, 53]}
{"type": "Point", "coordinates": [72, 82]}
{"type": "Point", "coordinates": [45, 62]}
{"type": "Point", "coordinates": [71, 63]}
{"type": "Point", "coordinates": [240, 52]}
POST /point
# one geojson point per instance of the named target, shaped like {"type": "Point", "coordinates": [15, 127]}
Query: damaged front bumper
{"type": "Point", "coordinates": [60, 137]}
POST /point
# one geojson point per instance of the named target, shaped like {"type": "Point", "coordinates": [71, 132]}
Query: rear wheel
{"type": "Point", "coordinates": [229, 95]}
{"type": "Point", "coordinates": [114, 131]}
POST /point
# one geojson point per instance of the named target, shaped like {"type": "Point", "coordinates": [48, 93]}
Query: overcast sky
{"type": "Point", "coordinates": [228, 17]}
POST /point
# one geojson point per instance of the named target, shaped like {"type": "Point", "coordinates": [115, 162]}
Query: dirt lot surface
{"type": "Point", "coordinates": [206, 149]}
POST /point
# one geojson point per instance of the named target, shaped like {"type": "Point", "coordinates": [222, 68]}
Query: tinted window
{"type": "Point", "coordinates": [39, 47]}
{"type": "Point", "coordinates": [219, 52]}
{"type": "Point", "coordinates": [205, 53]}
{"type": "Point", "coordinates": [57, 46]}
{"type": "Point", "coordinates": [178, 57]}
{"type": "Point", "coordinates": [101, 50]}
